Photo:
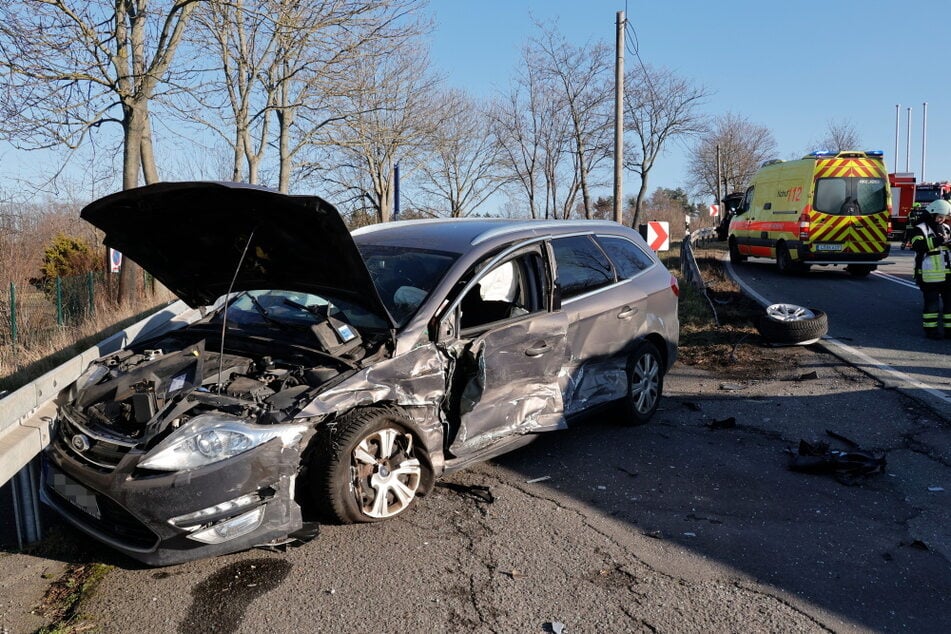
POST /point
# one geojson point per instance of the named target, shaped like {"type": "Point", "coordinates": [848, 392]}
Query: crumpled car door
{"type": "Point", "coordinates": [506, 382]}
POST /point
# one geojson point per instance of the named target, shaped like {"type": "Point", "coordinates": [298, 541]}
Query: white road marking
{"type": "Point", "coordinates": [870, 361]}
{"type": "Point", "coordinates": [897, 280]}
{"type": "Point", "coordinates": [901, 376]}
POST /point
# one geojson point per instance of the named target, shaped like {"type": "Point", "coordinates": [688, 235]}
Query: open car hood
{"type": "Point", "coordinates": [191, 237]}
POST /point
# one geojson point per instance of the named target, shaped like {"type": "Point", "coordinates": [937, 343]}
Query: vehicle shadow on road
{"type": "Point", "coordinates": [728, 495]}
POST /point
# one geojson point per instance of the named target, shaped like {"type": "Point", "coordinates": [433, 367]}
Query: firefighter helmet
{"type": "Point", "coordinates": [939, 207]}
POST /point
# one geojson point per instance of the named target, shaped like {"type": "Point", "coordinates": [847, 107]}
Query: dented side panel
{"type": "Point", "coordinates": [512, 384]}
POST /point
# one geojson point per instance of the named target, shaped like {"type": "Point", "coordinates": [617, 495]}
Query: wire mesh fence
{"type": "Point", "coordinates": [38, 317]}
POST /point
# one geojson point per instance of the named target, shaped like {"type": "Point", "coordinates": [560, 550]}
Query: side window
{"type": "Point", "coordinates": [509, 290]}
{"type": "Point", "coordinates": [581, 265]}
{"type": "Point", "coordinates": [747, 201]}
{"type": "Point", "coordinates": [628, 259]}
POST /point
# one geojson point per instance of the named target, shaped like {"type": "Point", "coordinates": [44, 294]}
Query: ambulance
{"type": "Point", "coordinates": [825, 208]}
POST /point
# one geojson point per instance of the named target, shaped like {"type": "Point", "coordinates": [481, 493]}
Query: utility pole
{"type": "Point", "coordinates": [717, 201]}
{"type": "Point", "coordinates": [924, 138]}
{"type": "Point", "coordinates": [619, 120]}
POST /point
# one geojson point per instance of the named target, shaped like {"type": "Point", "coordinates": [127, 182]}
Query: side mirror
{"type": "Point", "coordinates": [442, 329]}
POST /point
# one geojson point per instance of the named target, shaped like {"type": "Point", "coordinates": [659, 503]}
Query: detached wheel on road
{"type": "Point", "coordinates": [788, 324]}
{"type": "Point", "coordinates": [645, 383]}
{"type": "Point", "coordinates": [368, 468]}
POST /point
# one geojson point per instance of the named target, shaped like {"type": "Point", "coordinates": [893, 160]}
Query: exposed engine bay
{"type": "Point", "coordinates": [141, 394]}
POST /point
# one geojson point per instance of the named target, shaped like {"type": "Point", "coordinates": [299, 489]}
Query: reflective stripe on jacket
{"type": "Point", "coordinates": [932, 262]}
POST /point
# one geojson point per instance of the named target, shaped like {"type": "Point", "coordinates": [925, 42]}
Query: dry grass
{"type": "Point", "coordinates": [40, 351]}
{"type": "Point", "coordinates": [734, 348]}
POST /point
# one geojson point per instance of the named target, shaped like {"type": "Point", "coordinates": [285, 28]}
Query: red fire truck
{"type": "Point", "coordinates": [908, 195]}
{"type": "Point", "coordinates": [903, 199]}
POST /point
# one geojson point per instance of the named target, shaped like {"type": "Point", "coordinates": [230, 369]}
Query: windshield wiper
{"type": "Point", "coordinates": [261, 310]}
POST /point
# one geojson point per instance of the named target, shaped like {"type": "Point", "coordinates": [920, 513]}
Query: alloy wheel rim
{"type": "Point", "coordinates": [386, 476]}
{"type": "Point", "coordinates": [645, 383]}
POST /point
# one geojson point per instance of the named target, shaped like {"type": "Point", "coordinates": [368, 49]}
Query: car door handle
{"type": "Point", "coordinates": [627, 312]}
{"type": "Point", "coordinates": [538, 349]}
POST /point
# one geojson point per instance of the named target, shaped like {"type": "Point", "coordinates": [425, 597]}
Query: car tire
{"type": "Point", "coordinates": [368, 466]}
{"type": "Point", "coordinates": [735, 256]}
{"type": "Point", "coordinates": [645, 384]}
{"type": "Point", "coordinates": [788, 324]}
{"type": "Point", "coordinates": [860, 270]}
{"type": "Point", "coordinates": [783, 260]}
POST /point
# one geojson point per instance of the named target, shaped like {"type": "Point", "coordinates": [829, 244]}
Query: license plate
{"type": "Point", "coordinates": [74, 493]}
{"type": "Point", "coordinates": [828, 247]}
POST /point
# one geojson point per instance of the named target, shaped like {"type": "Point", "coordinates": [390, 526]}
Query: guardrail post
{"type": "Point", "coordinates": [59, 301]}
{"type": "Point", "coordinates": [26, 505]}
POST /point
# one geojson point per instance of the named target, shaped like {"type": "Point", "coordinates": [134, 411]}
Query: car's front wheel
{"type": "Point", "coordinates": [645, 384]}
{"type": "Point", "coordinates": [368, 468]}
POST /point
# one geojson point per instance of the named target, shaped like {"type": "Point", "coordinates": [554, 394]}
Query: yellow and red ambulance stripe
{"type": "Point", "coordinates": [857, 234]}
{"type": "Point", "coordinates": [845, 167]}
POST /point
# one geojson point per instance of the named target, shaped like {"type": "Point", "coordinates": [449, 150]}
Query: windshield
{"type": "Point", "coordinates": [291, 309]}
{"type": "Point", "coordinates": [850, 196]}
{"type": "Point", "coordinates": [927, 195]}
{"type": "Point", "coordinates": [404, 277]}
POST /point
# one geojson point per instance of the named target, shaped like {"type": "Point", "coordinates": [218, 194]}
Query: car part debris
{"type": "Point", "coordinates": [541, 479]}
{"type": "Point", "coordinates": [791, 325]}
{"type": "Point", "coordinates": [477, 492]}
{"type": "Point", "coordinates": [726, 423]}
{"type": "Point", "coordinates": [847, 466]}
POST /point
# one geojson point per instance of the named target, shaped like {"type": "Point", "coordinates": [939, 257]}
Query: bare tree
{"type": "Point", "coordinates": [659, 106]}
{"type": "Point", "coordinates": [285, 62]}
{"type": "Point", "coordinates": [388, 117]}
{"type": "Point", "coordinates": [516, 123]}
{"type": "Point", "coordinates": [580, 80]}
{"type": "Point", "coordinates": [744, 146]}
{"type": "Point", "coordinates": [73, 65]}
{"type": "Point", "coordinates": [840, 136]}
{"type": "Point", "coordinates": [533, 131]}
{"type": "Point", "coordinates": [463, 170]}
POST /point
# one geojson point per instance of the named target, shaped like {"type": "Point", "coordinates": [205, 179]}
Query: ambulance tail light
{"type": "Point", "coordinates": [674, 286]}
{"type": "Point", "coordinates": [804, 228]}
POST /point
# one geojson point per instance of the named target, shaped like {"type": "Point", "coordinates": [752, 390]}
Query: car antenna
{"type": "Point", "coordinates": [224, 319]}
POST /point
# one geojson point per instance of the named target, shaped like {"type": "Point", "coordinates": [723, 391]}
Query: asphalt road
{"type": "Point", "coordinates": [874, 323]}
{"type": "Point", "coordinates": [673, 526]}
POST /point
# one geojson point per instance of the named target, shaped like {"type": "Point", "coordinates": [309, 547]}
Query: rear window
{"type": "Point", "coordinates": [851, 196]}
{"type": "Point", "coordinates": [628, 259]}
{"type": "Point", "coordinates": [582, 266]}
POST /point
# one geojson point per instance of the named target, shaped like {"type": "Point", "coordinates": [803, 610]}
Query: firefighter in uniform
{"type": "Point", "coordinates": [933, 267]}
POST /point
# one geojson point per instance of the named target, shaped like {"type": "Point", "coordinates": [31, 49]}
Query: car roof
{"type": "Point", "coordinates": [458, 235]}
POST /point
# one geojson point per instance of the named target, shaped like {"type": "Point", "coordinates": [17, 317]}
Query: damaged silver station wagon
{"type": "Point", "coordinates": [337, 375]}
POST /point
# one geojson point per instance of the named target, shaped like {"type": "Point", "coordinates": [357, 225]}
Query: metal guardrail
{"type": "Point", "coordinates": [27, 413]}
{"type": "Point", "coordinates": [688, 264]}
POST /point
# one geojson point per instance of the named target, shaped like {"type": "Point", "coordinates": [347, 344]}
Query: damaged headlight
{"type": "Point", "coordinates": [210, 438]}
{"type": "Point", "coordinates": [91, 376]}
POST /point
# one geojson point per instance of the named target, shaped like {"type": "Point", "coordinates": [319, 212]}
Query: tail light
{"type": "Point", "coordinates": [804, 228]}
{"type": "Point", "coordinates": [674, 286]}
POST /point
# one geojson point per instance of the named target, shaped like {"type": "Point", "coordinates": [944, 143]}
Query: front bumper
{"type": "Point", "coordinates": [131, 510]}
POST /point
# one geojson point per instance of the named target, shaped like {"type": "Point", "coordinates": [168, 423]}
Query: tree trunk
{"type": "Point", "coordinates": [134, 128]}
{"type": "Point", "coordinates": [641, 194]}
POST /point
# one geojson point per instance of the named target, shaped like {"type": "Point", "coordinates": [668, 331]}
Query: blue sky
{"type": "Point", "coordinates": [788, 66]}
